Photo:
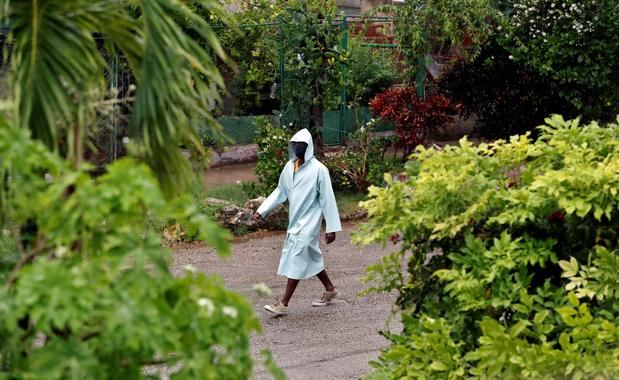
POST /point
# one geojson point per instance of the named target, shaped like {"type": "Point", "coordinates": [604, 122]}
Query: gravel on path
{"type": "Point", "coordinates": [333, 342]}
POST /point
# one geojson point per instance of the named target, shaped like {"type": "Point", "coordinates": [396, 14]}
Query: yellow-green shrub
{"type": "Point", "coordinates": [510, 257]}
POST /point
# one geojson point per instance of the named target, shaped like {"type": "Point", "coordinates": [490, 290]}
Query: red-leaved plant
{"type": "Point", "coordinates": [413, 117]}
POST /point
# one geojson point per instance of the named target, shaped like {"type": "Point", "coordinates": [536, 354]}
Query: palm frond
{"type": "Point", "coordinates": [54, 61]}
{"type": "Point", "coordinates": [177, 79]}
{"type": "Point", "coordinates": [57, 72]}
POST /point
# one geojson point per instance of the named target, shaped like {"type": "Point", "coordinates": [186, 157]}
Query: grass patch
{"type": "Point", "coordinates": [231, 193]}
{"type": "Point", "coordinates": [349, 202]}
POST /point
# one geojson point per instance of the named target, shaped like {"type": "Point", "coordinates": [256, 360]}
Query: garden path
{"type": "Point", "coordinates": [335, 342]}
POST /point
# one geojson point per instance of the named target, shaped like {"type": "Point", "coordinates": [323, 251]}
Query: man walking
{"type": "Point", "coordinates": [306, 184]}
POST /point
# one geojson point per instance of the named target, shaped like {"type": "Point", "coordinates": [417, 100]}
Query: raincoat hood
{"type": "Point", "coordinates": [302, 136]}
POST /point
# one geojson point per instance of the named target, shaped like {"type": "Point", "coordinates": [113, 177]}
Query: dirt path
{"type": "Point", "coordinates": [335, 342]}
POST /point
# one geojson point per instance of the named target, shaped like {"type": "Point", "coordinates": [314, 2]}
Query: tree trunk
{"type": "Point", "coordinates": [316, 128]}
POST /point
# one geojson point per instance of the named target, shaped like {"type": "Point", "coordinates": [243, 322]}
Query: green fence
{"type": "Point", "coordinates": [337, 126]}
{"type": "Point", "coordinates": [241, 129]}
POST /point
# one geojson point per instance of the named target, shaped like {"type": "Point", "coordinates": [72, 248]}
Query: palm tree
{"type": "Point", "coordinates": [56, 75]}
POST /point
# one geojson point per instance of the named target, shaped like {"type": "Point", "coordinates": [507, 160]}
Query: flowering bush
{"type": "Point", "coordinates": [508, 264]}
{"type": "Point", "coordinates": [574, 42]}
{"type": "Point", "coordinates": [506, 96]}
{"type": "Point", "coordinates": [413, 117]}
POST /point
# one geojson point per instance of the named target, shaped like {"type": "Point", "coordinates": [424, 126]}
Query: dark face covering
{"type": "Point", "coordinates": [299, 150]}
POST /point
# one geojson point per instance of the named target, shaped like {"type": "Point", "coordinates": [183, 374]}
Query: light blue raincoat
{"type": "Point", "coordinates": [310, 197]}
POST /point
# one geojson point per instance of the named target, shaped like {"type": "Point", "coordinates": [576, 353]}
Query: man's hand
{"type": "Point", "coordinates": [257, 217]}
{"type": "Point", "coordinates": [330, 237]}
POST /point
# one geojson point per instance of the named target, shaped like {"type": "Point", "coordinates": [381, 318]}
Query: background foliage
{"type": "Point", "coordinates": [506, 97]}
{"type": "Point", "coordinates": [508, 263]}
{"type": "Point", "coordinates": [254, 47]}
{"type": "Point", "coordinates": [368, 72]}
{"type": "Point", "coordinates": [272, 154]}
{"type": "Point", "coordinates": [440, 27]}
{"type": "Point", "coordinates": [363, 161]}
{"type": "Point", "coordinates": [572, 42]}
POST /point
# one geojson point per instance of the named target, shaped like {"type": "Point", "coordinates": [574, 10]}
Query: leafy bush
{"type": "Point", "coordinates": [413, 117]}
{"type": "Point", "coordinates": [506, 97]}
{"type": "Point", "coordinates": [573, 42]}
{"type": "Point", "coordinates": [362, 162]}
{"type": "Point", "coordinates": [255, 51]}
{"type": "Point", "coordinates": [272, 154]}
{"type": "Point", "coordinates": [87, 294]}
{"type": "Point", "coordinates": [368, 72]}
{"type": "Point", "coordinates": [510, 257]}
{"type": "Point", "coordinates": [425, 28]}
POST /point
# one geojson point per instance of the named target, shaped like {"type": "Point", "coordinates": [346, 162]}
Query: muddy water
{"type": "Point", "coordinates": [226, 175]}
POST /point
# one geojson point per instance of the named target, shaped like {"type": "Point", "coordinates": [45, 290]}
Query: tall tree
{"type": "Point", "coordinates": [312, 55]}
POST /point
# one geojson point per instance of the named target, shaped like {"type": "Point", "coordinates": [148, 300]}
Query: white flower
{"type": "Point", "coordinates": [230, 311]}
{"type": "Point", "coordinates": [207, 304]}
{"type": "Point", "coordinates": [299, 57]}
{"type": "Point", "coordinates": [61, 251]}
{"type": "Point", "coordinates": [238, 182]}
{"type": "Point", "coordinates": [48, 178]}
{"type": "Point", "coordinates": [125, 140]}
{"type": "Point", "coordinates": [190, 268]}
{"type": "Point", "coordinates": [262, 289]}
{"type": "Point", "coordinates": [511, 57]}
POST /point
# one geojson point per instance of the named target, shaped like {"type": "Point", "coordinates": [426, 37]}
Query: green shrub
{"type": "Point", "coordinates": [506, 97]}
{"type": "Point", "coordinates": [363, 161]}
{"type": "Point", "coordinates": [510, 257]}
{"type": "Point", "coordinates": [89, 294]}
{"type": "Point", "coordinates": [272, 154]}
{"type": "Point", "coordinates": [573, 42]}
{"type": "Point", "coordinates": [369, 71]}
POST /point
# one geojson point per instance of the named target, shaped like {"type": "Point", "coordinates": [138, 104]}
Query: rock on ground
{"type": "Point", "coordinates": [231, 216]}
{"type": "Point", "coordinates": [333, 342]}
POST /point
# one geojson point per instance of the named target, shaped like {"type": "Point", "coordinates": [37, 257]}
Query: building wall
{"type": "Point", "coordinates": [360, 7]}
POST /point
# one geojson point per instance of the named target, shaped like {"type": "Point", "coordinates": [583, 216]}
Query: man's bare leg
{"type": "Point", "coordinates": [290, 288]}
{"type": "Point", "coordinates": [326, 281]}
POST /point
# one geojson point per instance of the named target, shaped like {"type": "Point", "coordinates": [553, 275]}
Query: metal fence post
{"type": "Point", "coordinates": [114, 117]}
{"type": "Point", "coordinates": [343, 71]}
{"type": "Point", "coordinates": [281, 66]}
{"type": "Point", "coordinates": [421, 76]}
